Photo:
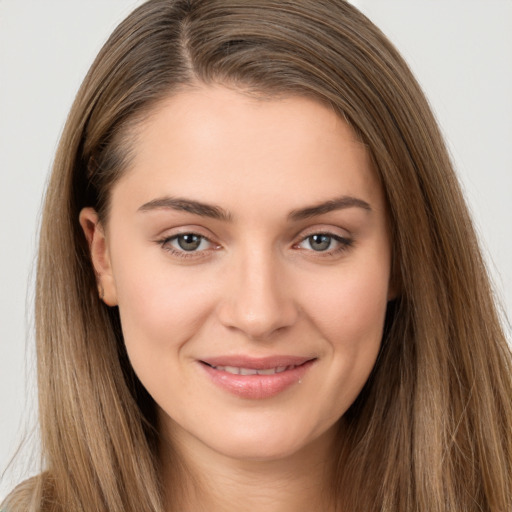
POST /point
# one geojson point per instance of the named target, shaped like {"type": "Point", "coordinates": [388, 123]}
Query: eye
{"type": "Point", "coordinates": [319, 242]}
{"type": "Point", "coordinates": [189, 242]}
{"type": "Point", "coordinates": [324, 242]}
{"type": "Point", "coordinates": [186, 243]}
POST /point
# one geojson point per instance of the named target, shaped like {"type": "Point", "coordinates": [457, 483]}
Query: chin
{"type": "Point", "coordinates": [267, 442]}
{"type": "Point", "coordinates": [260, 450]}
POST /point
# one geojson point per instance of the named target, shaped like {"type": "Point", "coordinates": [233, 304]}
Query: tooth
{"type": "Point", "coordinates": [270, 371]}
{"type": "Point", "coordinates": [248, 371]}
{"type": "Point", "coordinates": [234, 370]}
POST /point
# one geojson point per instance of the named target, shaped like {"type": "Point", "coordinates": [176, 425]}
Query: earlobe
{"type": "Point", "coordinates": [100, 256]}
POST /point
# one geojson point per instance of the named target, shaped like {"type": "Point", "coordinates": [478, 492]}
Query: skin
{"type": "Point", "coordinates": [256, 285]}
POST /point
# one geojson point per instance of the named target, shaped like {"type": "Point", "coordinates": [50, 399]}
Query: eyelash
{"type": "Point", "coordinates": [165, 244]}
{"type": "Point", "coordinates": [344, 244]}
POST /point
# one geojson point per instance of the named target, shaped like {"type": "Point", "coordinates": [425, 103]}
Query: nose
{"type": "Point", "coordinates": [258, 300]}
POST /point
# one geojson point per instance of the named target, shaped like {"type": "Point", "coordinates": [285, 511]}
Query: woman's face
{"type": "Point", "coordinates": [248, 252]}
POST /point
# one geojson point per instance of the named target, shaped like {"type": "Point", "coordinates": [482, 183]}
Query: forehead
{"type": "Point", "coordinates": [216, 143]}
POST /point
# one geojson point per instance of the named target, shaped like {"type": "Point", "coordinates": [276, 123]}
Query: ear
{"type": "Point", "coordinates": [100, 256]}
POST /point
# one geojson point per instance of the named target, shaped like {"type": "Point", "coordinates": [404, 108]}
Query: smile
{"type": "Point", "coordinates": [256, 379]}
{"type": "Point", "coordinates": [234, 370]}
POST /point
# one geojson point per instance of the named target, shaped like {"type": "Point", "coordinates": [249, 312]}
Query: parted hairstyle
{"type": "Point", "coordinates": [432, 428]}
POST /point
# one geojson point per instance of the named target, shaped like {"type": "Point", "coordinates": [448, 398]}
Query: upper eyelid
{"type": "Point", "coordinates": [173, 232]}
{"type": "Point", "coordinates": [170, 238]}
{"type": "Point", "coordinates": [325, 232]}
{"type": "Point", "coordinates": [335, 231]}
{"type": "Point", "coordinates": [183, 233]}
{"type": "Point", "coordinates": [344, 240]}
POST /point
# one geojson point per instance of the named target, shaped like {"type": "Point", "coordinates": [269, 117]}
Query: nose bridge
{"type": "Point", "coordinates": [257, 301]}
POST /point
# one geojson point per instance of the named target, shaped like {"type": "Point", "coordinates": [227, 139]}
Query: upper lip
{"type": "Point", "coordinates": [256, 363]}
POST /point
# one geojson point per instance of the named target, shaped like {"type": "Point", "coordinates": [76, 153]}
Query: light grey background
{"type": "Point", "coordinates": [460, 50]}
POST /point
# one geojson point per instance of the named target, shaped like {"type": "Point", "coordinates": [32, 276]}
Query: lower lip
{"type": "Point", "coordinates": [257, 387]}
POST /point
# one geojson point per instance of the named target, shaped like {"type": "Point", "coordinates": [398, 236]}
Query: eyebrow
{"type": "Point", "coordinates": [186, 205]}
{"type": "Point", "coordinates": [218, 213]}
{"type": "Point", "coordinates": [339, 203]}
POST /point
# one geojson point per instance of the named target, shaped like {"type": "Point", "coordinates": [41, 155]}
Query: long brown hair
{"type": "Point", "coordinates": [432, 429]}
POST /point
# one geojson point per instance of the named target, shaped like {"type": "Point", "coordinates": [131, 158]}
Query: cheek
{"type": "Point", "coordinates": [349, 308]}
{"type": "Point", "coordinates": [349, 312]}
{"type": "Point", "coordinates": [161, 311]}
{"type": "Point", "coordinates": [160, 306]}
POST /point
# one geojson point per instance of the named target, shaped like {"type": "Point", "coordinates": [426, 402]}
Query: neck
{"type": "Point", "coordinates": [211, 482]}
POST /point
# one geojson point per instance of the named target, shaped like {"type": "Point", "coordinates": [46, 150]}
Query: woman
{"type": "Point", "coordinates": [258, 284]}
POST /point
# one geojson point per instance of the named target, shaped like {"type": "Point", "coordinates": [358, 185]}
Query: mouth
{"type": "Point", "coordinates": [255, 378]}
{"type": "Point", "coordinates": [236, 370]}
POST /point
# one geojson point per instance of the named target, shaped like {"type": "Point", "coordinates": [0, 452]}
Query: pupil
{"type": "Point", "coordinates": [189, 242]}
{"type": "Point", "coordinates": [320, 242]}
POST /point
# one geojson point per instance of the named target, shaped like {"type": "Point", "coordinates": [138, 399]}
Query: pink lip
{"type": "Point", "coordinates": [257, 387]}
